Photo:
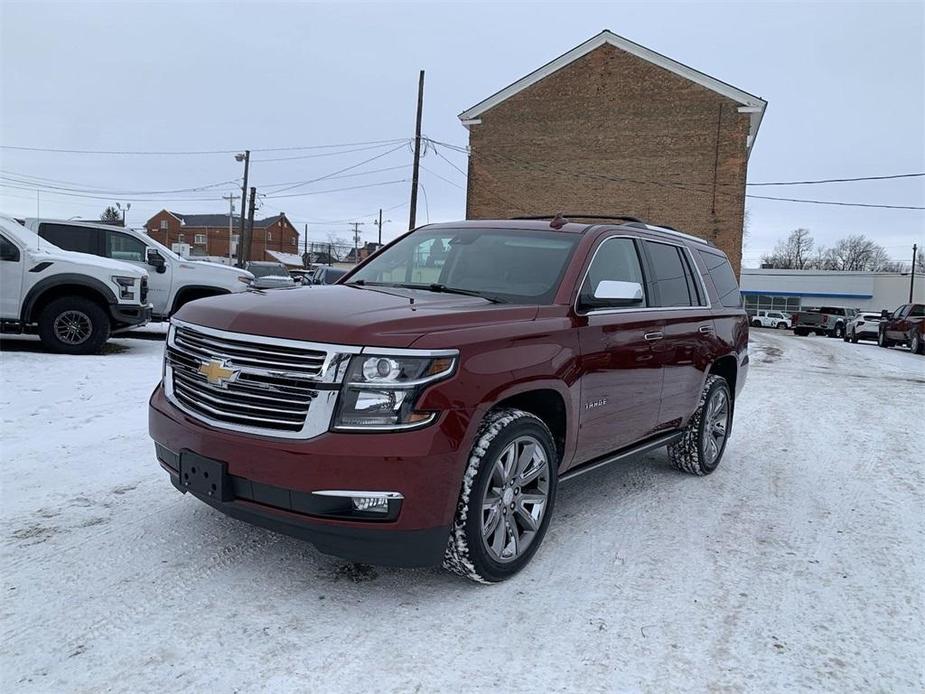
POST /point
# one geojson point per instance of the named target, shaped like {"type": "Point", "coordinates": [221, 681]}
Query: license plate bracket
{"type": "Point", "coordinates": [204, 477]}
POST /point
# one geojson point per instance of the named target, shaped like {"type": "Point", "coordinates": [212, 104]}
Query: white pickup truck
{"type": "Point", "coordinates": [72, 300]}
{"type": "Point", "coordinates": [174, 280]}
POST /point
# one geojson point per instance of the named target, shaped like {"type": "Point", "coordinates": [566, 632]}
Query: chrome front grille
{"type": "Point", "coordinates": [251, 383]}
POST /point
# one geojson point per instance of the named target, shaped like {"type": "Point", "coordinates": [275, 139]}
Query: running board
{"type": "Point", "coordinates": [645, 447]}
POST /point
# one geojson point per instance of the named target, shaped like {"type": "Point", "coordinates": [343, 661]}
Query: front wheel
{"type": "Point", "coordinates": [701, 447]}
{"type": "Point", "coordinates": [839, 331]}
{"type": "Point", "coordinates": [507, 498]}
{"type": "Point", "coordinates": [782, 325]}
{"type": "Point", "coordinates": [73, 325]}
{"type": "Point", "coordinates": [756, 323]}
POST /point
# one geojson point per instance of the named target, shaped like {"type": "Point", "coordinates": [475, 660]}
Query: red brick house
{"type": "Point", "coordinates": [612, 127]}
{"type": "Point", "coordinates": [207, 234]}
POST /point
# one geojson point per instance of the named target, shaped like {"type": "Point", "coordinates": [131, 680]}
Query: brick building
{"type": "Point", "coordinates": [207, 234]}
{"type": "Point", "coordinates": [612, 127]}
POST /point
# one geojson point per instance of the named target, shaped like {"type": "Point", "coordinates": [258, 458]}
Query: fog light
{"type": "Point", "coordinates": [371, 504]}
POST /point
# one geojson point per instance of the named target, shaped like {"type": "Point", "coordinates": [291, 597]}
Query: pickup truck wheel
{"type": "Point", "coordinates": [802, 332]}
{"type": "Point", "coordinates": [882, 339]}
{"type": "Point", "coordinates": [782, 325]}
{"type": "Point", "coordinates": [916, 344]}
{"type": "Point", "coordinates": [73, 325]}
{"type": "Point", "coordinates": [701, 447]}
{"type": "Point", "coordinates": [507, 497]}
{"type": "Point", "coordinates": [839, 330]}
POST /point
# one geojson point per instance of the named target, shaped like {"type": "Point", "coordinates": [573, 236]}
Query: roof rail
{"type": "Point", "coordinates": [578, 215]}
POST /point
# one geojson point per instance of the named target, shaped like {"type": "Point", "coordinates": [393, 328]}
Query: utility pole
{"type": "Point", "coordinates": [230, 198]}
{"type": "Point", "coordinates": [246, 158]}
{"type": "Point", "coordinates": [356, 241]}
{"type": "Point", "coordinates": [379, 224]}
{"type": "Point", "coordinates": [915, 251]}
{"type": "Point", "coordinates": [306, 256]}
{"type": "Point", "coordinates": [417, 154]}
{"type": "Point", "coordinates": [244, 254]}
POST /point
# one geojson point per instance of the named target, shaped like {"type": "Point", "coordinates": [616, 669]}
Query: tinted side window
{"type": "Point", "coordinates": [8, 251]}
{"type": "Point", "coordinates": [615, 259]}
{"type": "Point", "coordinates": [724, 279]}
{"type": "Point", "coordinates": [918, 311]}
{"type": "Point", "coordinates": [124, 247]}
{"type": "Point", "coordinates": [671, 280]}
{"type": "Point", "coordinates": [71, 238]}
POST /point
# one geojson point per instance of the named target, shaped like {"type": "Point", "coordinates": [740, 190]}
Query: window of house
{"type": "Point", "coordinates": [180, 238]}
{"type": "Point", "coordinates": [269, 236]}
{"type": "Point", "coordinates": [163, 225]}
{"type": "Point", "coordinates": [124, 247]}
{"type": "Point", "coordinates": [234, 238]}
{"type": "Point", "coordinates": [615, 259]}
{"type": "Point", "coordinates": [672, 282]}
{"type": "Point", "coordinates": [200, 239]}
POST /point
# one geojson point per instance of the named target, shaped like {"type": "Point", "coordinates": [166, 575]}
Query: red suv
{"type": "Point", "coordinates": [426, 407]}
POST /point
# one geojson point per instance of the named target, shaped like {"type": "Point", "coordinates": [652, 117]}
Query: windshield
{"type": "Point", "coordinates": [509, 265]}
{"type": "Point", "coordinates": [268, 270]}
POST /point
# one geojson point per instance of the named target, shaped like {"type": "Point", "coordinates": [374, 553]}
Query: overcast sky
{"type": "Point", "coordinates": [845, 83]}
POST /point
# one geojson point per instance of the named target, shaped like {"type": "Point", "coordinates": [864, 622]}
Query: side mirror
{"type": "Point", "coordinates": [156, 260]}
{"type": "Point", "coordinates": [617, 293]}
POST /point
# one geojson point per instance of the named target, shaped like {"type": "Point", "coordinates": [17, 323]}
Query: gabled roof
{"type": "Point", "coordinates": [749, 103]}
{"type": "Point", "coordinates": [221, 220]}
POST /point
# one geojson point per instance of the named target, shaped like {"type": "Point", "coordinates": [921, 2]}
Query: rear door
{"type": "Point", "coordinates": [621, 379]}
{"type": "Point", "coordinates": [72, 237]}
{"type": "Point", "coordinates": [683, 350]}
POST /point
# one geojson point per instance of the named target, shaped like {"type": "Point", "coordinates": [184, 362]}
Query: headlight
{"type": "Point", "coordinates": [126, 286]}
{"type": "Point", "coordinates": [380, 391]}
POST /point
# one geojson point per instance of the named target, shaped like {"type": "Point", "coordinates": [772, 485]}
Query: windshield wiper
{"type": "Point", "coordinates": [443, 289]}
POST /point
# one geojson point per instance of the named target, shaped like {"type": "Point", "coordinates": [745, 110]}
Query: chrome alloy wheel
{"type": "Point", "coordinates": [715, 426]}
{"type": "Point", "coordinates": [73, 327]}
{"type": "Point", "coordinates": [515, 499]}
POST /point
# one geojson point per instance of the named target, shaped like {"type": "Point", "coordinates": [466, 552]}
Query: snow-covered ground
{"type": "Point", "coordinates": [799, 564]}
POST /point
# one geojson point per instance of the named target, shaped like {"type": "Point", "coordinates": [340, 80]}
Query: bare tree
{"type": "Point", "coordinates": [856, 253]}
{"type": "Point", "coordinates": [794, 253]}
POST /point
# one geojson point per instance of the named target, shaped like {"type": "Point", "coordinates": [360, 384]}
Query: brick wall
{"type": "Point", "coordinates": [609, 113]}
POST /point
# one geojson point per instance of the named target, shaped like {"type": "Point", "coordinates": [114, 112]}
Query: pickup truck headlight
{"type": "Point", "coordinates": [380, 390]}
{"type": "Point", "coordinates": [126, 287]}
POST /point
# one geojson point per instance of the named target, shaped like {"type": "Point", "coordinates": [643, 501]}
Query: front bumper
{"type": "Point", "coordinates": [272, 481]}
{"type": "Point", "coordinates": [130, 316]}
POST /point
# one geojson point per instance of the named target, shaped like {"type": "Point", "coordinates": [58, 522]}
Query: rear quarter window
{"type": "Point", "coordinates": [724, 279]}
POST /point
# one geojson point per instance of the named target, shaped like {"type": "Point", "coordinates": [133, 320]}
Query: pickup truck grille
{"type": "Point", "coordinates": [143, 299]}
{"type": "Point", "coordinates": [244, 382]}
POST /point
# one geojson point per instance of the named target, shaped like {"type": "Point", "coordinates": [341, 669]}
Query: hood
{"type": "Point", "coordinates": [344, 314]}
{"type": "Point", "coordinates": [52, 253]}
{"type": "Point", "coordinates": [220, 270]}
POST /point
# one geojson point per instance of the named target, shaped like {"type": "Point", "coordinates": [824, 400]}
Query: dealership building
{"type": "Point", "coordinates": [793, 290]}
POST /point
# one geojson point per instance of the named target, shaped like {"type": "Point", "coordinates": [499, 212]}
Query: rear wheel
{"type": "Point", "coordinates": [839, 330]}
{"type": "Point", "coordinates": [916, 344]}
{"type": "Point", "coordinates": [701, 447]}
{"type": "Point", "coordinates": [73, 325]}
{"type": "Point", "coordinates": [882, 339]}
{"type": "Point", "coordinates": [802, 332]}
{"type": "Point", "coordinates": [508, 494]}
{"type": "Point", "coordinates": [756, 323]}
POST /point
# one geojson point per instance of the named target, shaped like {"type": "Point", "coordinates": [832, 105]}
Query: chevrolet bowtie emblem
{"type": "Point", "coordinates": [217, 373]}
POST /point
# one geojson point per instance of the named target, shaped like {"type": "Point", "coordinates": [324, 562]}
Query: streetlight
{"type": "Point", "coordinates": [379, 224]}
{"type": "Point", "coordinates": [125, 210]}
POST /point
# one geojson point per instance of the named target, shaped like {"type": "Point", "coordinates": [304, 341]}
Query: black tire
{"type": "Point", "coordinates": [916, 344]}
{"type": "Point", "coordinates": [854, 338]}
{"type": "Point", "coordinates": [882, 339]}
{"type": "Point", "coordinates": [782, 326]}
{"type": "Point", "coordinates": [688, 453]}
{"type": "Point", "coordinates": [839, 330]}
{"type": "Point", "coordinates": [85, 313]}
{"type": "Point", "coordinates": [465, 553]}
{"type": "Point", "coordinates": [756, 323]}
{"type": "Point", "coordinates": [802, 332]}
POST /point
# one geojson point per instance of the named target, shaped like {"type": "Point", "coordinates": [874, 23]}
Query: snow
{"type": "Point", "coordinates": [291, 259]}
{"type": "Point", "coordinates": [799, 564]}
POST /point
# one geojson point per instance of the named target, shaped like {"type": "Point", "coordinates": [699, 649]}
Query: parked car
{"type": "Point", "coordinates": [906, 325]}
{"type": "Point", "coordinates": [269, 275]}
{"type": "Point", "coordinates": [420, 412]}
{"type": "Point", "coordinates": [826, 320]}
{"type": "Point", "coordinates": [174, 281]}
{"type": "Point", "coordinates": [771, 319]}
{"type": "Point", "coordinates": [864, 326]}
{"type": "Point", "coordinates": [327, 275]}
{"type": "Point", "coordinates": [72, 300]}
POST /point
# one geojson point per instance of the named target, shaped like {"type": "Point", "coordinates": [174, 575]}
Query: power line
{"type": "Point", "coordinates": [336, 190]}
{"type": "Point", "coordinates": [329, 154]}
{"type": "Point", "coordinates": [339, 171]}
{"type": "Point", "coordinates": [836, 180]}
{"type": "Point", "coordinates": [692, 187]}
{"type": "Point", "coordinates": [192, 152]}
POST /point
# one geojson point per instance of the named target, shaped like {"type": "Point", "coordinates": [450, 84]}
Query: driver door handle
{"type": "Point", "coordinates": [706, 329]}
{"type": "Point", "coordinates": [652, 337]}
